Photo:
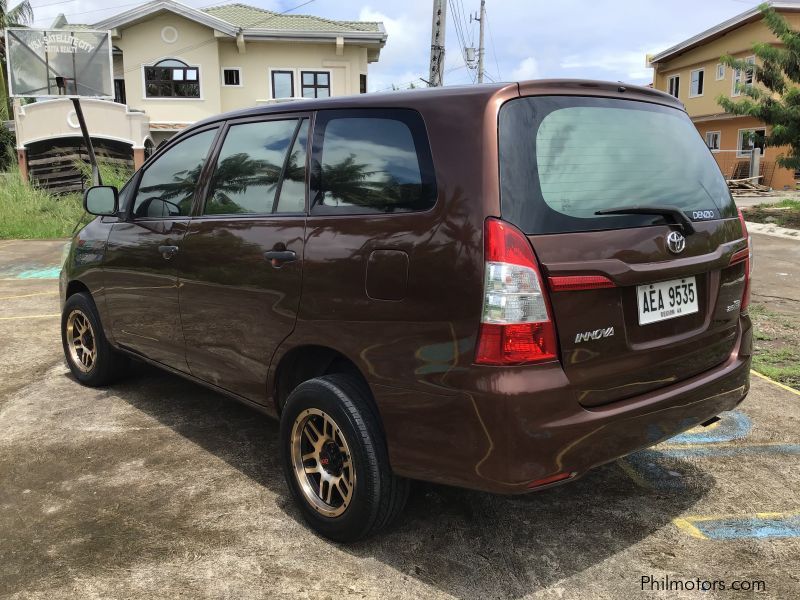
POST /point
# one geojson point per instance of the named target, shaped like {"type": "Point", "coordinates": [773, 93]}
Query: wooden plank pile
{"type": "Point", "coordinates": [749, 186]}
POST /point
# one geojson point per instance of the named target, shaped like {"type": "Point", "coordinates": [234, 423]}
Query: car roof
{"type": "Point", "coordinates": [416, 98]}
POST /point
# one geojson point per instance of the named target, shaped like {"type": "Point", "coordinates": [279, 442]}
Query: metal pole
{"type": "Point", "coordinates": [438, 26]}
{"type": "Point", "coordinates": [96, 179]}
{"type": "Point", "coordinates": [480, 41]}
{"type": "Point", "coordinates": [755, 163]}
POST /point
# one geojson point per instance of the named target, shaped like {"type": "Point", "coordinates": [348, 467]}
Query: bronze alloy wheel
{"type": "Point", "coordinates": [323, 464]}
{"type": "Point", "coordinates": [81, 341]}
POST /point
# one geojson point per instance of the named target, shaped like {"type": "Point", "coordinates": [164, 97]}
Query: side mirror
{"type": "Point", "coordinates": [101, 200]}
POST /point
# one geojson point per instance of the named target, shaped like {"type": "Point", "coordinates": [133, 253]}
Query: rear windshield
{"type": "Point", "coordinates": [564, 158]}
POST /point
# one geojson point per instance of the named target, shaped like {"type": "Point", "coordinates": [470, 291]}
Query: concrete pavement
{"type": "Point", "coordinates": [157, 487]}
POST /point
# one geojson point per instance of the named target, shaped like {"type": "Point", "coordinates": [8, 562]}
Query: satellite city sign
{"type": "Point", "coordinates": [60, 63]}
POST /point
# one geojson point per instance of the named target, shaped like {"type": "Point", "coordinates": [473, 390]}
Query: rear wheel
{"type": "Point", "coordinates": [335, 459]}
{"type": "Point", "coordinates": [89, 356]}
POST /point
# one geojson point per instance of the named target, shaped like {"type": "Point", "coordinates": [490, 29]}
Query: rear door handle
{"type": "Point", "coordinates": [168, 252]}
{"type": "Point", "coordinates": [278, 257]}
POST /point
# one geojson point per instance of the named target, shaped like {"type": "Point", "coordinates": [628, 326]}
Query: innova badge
{"type": "Point", "coordinates": [676, 242]}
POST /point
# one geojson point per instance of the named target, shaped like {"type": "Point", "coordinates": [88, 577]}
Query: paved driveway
{"type": "Point", "coordinates": [160, 488]}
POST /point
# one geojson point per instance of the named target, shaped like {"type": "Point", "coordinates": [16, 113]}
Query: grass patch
{"type": "Point", "coordinates": [785, 213]}
{"type": "Point", "coordinates": [777, 345]}
{"type": "Point", "coordinates": [27, 212]}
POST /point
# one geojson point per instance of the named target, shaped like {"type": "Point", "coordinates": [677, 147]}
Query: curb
{"type": "Point", "coordinates": [773, 230]}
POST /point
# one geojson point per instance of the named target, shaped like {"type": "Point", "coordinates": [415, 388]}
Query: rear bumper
{"type": "Point", "coordinates": [522, 425]}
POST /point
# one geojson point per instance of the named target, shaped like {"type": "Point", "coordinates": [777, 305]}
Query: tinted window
{"type": "Point", "coordinates": [249, 167]}
{"type": "Point", "coordinates": [293, 188]}
{"type": "Point", "coordinates": [167, 185]}
{"type": "Point", "coordinates": [564, 158]}
{"type": "Point", "coordinates": [371, 161]}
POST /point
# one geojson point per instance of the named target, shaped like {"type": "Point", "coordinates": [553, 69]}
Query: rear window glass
{"type": "Point", "coordinates": [562, 159]}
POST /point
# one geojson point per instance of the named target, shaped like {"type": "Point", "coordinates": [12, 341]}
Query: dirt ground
{"type": "Point", "coordinates": [159, 488]}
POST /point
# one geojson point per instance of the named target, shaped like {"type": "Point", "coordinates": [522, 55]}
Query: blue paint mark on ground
{"type": "Point", "coordinates": [759, 526]}
{"type": "Point", "coordinates": [732, 425]}
{"type": "Point", "coordinates": [46, 273]}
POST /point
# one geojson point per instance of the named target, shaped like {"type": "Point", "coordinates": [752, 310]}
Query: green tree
{"type": "Point", "coordinates": [773, 96]}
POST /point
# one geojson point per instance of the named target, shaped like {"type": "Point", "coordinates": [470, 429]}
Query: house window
{"type": "Point", "coordinates": [282, 84]}
{"type": "Point", "coordinates": [720, 72]}
{"type": "Point", "coordinates": [696, 79]}
{"type": "Point", "coordinates": [674, 85]}
{"type": "Point", "coordinates": [119, 91]}
{"type": "Point", "coordinates": [363, 83]}
{"type": "Point", "coordinates": [171, 78]}
{"type": "Point", "coordinates": [749, 139]}
{"type": "Point", "coordinates": [742, 79]}
{"type": "Point", "coordinates": [231, 77]}
{"type": "Point", "coordinates": [316, 84]}
{"type": "Point", "coordinates": [712, 140]}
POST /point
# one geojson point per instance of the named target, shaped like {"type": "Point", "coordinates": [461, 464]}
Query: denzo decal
{"type": "Point", "coordinates": [703, 215]}
{"type": "Point", "coordinates": [597, 334]}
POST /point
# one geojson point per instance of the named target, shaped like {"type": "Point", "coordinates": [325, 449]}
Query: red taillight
{"type": "Point", "coordinates": [748, 263]}
{"type": "Point", "coordinates": [516, 324]}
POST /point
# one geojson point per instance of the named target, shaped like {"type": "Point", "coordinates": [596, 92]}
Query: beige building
{"type": "Point", "coordinates": [175, 65]}
{"type": "Point", "coordinates": [692, 72]}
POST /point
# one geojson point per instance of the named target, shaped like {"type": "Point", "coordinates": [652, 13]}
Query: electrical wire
{"type": "Point", "coordinates": [494, 52]}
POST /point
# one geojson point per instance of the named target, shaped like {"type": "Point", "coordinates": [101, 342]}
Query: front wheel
{"type": "Point", "coordinates": [89, 356]}
{"type": "Point", "coordinates": [335, 459]}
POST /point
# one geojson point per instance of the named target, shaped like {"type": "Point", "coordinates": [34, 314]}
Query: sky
{"type": "Point", "coordinates": [525, 39]}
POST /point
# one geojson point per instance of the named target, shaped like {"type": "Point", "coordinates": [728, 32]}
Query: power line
{"type": "Point", "coordinates": [458, 25]}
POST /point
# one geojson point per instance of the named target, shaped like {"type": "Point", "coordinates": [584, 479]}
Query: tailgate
{"type": "Point", "coordinates": [606, 353]}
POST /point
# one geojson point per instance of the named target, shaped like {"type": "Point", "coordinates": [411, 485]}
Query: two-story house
{"type": "Point", "coordinates": [174, 65]}
{"type": "Point", "coordinates": [692, 72]}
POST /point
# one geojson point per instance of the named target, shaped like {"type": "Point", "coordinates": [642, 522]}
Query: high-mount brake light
{"type": "Point", "coordinates": [516, 325]}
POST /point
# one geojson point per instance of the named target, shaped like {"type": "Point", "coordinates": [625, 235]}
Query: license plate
{"type": "Point", "coordinates": [667, 300]}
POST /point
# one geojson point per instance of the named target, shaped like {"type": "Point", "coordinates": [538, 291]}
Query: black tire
{"type": "Point", "coordinates": [379, 495]}
{"type": "Point", "coordinates": [108, 365]}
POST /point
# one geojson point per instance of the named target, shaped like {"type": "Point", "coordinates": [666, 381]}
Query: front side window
{"type": "Point", "coordinates": [674, 86]}
{"type": "Point", "coordinates": [171, 78]}
{"type": "Point", "coordinates": [282, 84]}
{"type": "Point", "coordinates": [249, 168]}
{"type": "Point", "coordinates": [316, 84]}
{"type": "Point", "coordinates": [371, 161]}
{"type": "Point", "coordinates": [562, 159]}
{"type": "Point", "coordinates": [697, 78]}
{"type": "Point", "coordinates": [168, 184]}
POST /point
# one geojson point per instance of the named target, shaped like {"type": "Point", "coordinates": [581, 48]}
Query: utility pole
{"type": "Point", "coordinates": [481, 49]}
{"type": "Point", "coordinates": [436, 74]}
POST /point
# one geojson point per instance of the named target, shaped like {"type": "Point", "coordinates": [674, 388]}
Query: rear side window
{"type": "Point", "coordinates": [562, 159]}
{"type": "Point", "coordinates": [249, 167]}
{"type": "Point", "coordinates": [371, 161]}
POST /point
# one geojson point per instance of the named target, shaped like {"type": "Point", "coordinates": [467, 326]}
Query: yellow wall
{"type": "Point", "coordinates": [259, 57]}
{"type": "Point", "coordinates": [737, 43]}
{"type": "Point", "coordinates": [142, 44]}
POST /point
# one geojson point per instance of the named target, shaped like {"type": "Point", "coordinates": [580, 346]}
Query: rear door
{"type": "Point", "coordinates": [241, 274]}
{"type": "Point", "coordinates": [639, 301]}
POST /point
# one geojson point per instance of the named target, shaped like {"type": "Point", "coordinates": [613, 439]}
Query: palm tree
{"type": "Point", "coordinates": [21, 14]}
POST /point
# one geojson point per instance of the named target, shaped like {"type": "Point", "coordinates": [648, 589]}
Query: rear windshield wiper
{"type": "Point", "coordinates": [671, 213]}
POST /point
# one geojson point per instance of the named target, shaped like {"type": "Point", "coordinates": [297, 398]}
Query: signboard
{"type": "Point", "coordinates": [59, 63]}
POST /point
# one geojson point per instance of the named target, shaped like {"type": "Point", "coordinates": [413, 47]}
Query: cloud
{"type": "Point", "coordinates": [528, 68]}
{"type": "Point", "coordinates": [630, 64]}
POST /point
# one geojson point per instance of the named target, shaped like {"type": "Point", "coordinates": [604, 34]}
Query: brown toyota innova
{"type": "Point", "coordinates": [498, 287]}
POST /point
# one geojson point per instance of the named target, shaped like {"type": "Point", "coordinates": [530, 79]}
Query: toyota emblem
{"type": "Point", "coordinates": [676, 242]}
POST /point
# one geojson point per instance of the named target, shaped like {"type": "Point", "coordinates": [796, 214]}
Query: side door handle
{"type": "Point", "coordinates": [278, 257]}
{"type": "Point", "coordinates": [168, 252]}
